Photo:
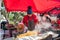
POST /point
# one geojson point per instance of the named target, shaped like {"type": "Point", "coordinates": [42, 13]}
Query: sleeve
{"type": "Point", "coordinates": [35, 19]}
{"type": "Point", "coordinates": [23, 20]}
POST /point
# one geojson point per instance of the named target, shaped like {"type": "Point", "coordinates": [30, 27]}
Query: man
{"type": "Point", "coordinates": [21, 28]}
{"type": "Point", "coordinates": [30, 20]}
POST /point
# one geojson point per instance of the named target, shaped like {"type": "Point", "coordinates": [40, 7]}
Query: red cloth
{"type": "Point", "coordinates": [26, 18]}
{"type": "Point", "coordinates": [37, 5]}
{"type": "Point", "coordinates": [58, 21]}
{"type": "Point", "coordinates": [57, 0]}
